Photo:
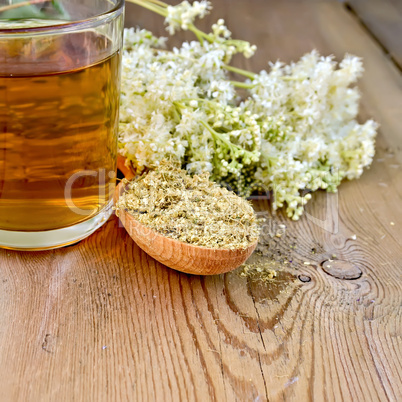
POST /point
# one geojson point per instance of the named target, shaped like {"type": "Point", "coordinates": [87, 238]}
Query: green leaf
{"type": "Point", "coordinates": [23, 12]}
{"type": "Point", "coordinates": [57, 11]}
{"type": "Point", "coordinates": [61, 10]}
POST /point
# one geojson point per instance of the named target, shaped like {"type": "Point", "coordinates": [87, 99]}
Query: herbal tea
{"type": "Point", "coordinates": [58, 130]}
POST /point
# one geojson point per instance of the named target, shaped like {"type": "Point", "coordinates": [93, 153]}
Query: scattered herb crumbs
{"type": "Point", "coordinates": [261, 271]}
{"type": "Point", "coordinates": [190, 209]}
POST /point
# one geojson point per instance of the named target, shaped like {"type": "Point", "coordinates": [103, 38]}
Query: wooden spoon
{"type": "Point", "coordinates": [181, 256]}
{"type": "Point", "coordinates": [121, 165]}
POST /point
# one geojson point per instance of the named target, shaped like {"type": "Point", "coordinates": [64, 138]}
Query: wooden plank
{"type": "Point", "coordinates": [384, 19]}
{"type": "Point", "coordinates": [102, 321]}
{"type": "Point", "coordinates": [341, 329]}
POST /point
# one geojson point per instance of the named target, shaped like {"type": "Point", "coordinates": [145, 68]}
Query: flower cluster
{"type": "Point", "coordinates": [295, 131]}
{"type": "Point", "coordinates": [180, 104]}
{"type": "Point", "coordinates": [310, 138]}
{"type": "Point", "coordinates": [184, 14]}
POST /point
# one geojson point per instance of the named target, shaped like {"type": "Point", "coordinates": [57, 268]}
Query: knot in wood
{"type": "Point", "coordinates": [341, 269]}
{"type": "Point", "coordinates": [304, 278]}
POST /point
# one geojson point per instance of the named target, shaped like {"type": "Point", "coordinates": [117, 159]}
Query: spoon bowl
{"type": "Point", "coordinates": [178, 255]}
{"type": "Point", "coordinates": [121, 165]}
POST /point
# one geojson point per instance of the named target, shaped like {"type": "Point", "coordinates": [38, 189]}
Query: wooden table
{"type": "Point", "coordinates": [101, 321]}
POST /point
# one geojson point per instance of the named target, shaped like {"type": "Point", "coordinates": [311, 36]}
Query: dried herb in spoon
{"type": "Point", "coordinates": [193, 210]}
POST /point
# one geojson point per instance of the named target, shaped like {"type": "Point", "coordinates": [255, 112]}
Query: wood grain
{"type": "Point", "coordinates": [383, 18]}
{"type": "Point", "coordinates": [101, 321]}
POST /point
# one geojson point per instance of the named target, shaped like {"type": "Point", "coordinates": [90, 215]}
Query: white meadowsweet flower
{"type": "Point", "coordinates": [294, 131]}
{"type": "Point", "coordinates": [184, 14]}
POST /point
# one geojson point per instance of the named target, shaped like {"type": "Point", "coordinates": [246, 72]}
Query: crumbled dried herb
{"type": "Point", "coordinates": [191, 209]}
{"type": "Point", "coordinates": [259, 271]}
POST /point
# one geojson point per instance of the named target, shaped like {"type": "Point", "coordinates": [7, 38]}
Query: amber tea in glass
{"type": "Point", "coordinates": [59, 98]}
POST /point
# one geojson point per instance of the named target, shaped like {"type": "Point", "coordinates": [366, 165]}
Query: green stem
{"type": "Point", "coordinates": [159, 3]}
{"type": "Point", "coordinates": [240, 84]}
{"type": "Point", "coordinates": [290, 78]}
{"type": "Point", "coordinates": [179, 105]}
{"type": "Point", "coordinates": [199, 38]}
{"type": "Point", "coordinates": [161, 8]}
{"type": "Point", "coordinates": [216, 135]}
{"type": "Point", "coordinates": [199, 100]}
{"type": "Point", "coordinates": [230, 144]}
{"type": "Point", "coordinates": [240, 71]}
{"type": "Point", "coordinates": [176, 115]}
{"type": "Point", "coordinates": [22, 4]}
{"type": "Point", "coordinates": [197, 32]}
{"type": "Point", "coordinates": [150, 5]}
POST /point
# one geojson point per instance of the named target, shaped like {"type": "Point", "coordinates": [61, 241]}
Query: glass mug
{"type": "Point", "coordinates": [59, 100]}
